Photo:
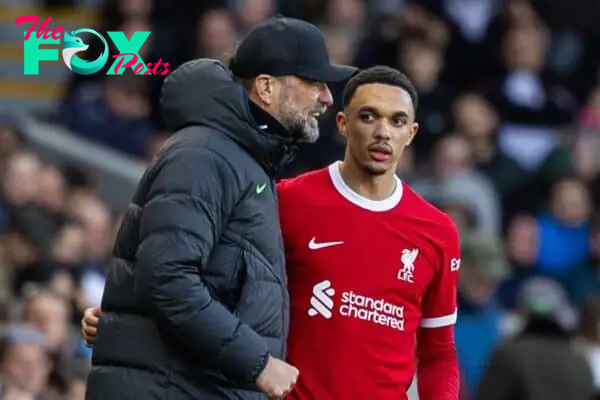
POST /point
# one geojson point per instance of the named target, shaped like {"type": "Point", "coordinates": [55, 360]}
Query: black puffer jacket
{"type": "Point", "coordinates": [196, 296]}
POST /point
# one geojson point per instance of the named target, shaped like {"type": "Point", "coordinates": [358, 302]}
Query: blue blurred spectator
{"type": "Point", "coordinates": [480, 317]}
{"type": "Point", "coordinates": [564, 234]}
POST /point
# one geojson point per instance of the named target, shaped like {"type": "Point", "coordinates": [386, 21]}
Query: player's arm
{"type": "Point", "coordinates": [187, 208]}
{"type": "Point", "coordinates": [438, 375]}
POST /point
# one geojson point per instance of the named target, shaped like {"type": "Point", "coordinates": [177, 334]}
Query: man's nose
{"type": "Point", "coordinates": [325, 97]}
{"type": "Point", "coordinates": [383, 131]}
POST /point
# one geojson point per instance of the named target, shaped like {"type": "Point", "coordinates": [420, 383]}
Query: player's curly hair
{"type": "Point", "coordinates": [383, 75]}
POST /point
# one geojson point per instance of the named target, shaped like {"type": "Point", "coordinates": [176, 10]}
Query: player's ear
{"type": "Point", "coordinates": [342, 123]}
{"type": "Point", "coordinates": [414, 129]}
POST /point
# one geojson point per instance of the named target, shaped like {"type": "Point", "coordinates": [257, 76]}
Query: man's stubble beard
{"type": "Point", "coordinates": [300, 125]}
{"type": "Point", "coordinates": [375, 170]}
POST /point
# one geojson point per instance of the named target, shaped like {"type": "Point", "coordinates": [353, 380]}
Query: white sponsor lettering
{"type": "Point", "coordinates": [377, 311]}
{"type": "Point", "coordinates": [353, 305]}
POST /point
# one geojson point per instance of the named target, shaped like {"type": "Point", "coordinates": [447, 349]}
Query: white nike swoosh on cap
{"type": "Point", "coordinates": [313, 245]}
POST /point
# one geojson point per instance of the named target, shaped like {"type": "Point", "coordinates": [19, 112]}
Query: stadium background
{"type": "Point", "coordinates": [509, 144]}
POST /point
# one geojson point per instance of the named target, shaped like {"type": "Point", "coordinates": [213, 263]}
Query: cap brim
{"type": "Point", "coordinates": [329, 73]}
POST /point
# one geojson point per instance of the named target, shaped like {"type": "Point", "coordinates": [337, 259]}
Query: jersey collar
{"type": "Point", "coordinates": [372, 205]}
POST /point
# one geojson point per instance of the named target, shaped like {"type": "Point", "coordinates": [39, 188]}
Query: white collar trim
{"type": "Point", "coordinates": [359, 200]}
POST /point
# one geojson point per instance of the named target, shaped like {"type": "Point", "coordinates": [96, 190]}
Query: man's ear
{"type": "Point", "coordinates": [414, 129]}
{"type": "Point", "coordinates": [264, 89]}
{"type": "Point", "coordinates": [342, 123]}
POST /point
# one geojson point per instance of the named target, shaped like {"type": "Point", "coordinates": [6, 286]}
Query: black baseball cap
{"type": "Point", "coordinates": [287, 46]}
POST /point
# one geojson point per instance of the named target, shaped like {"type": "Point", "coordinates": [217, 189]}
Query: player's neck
{"type": "Point", "coordinates": [373, 187]}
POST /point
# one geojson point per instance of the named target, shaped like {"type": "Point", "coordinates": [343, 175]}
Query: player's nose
{"type": "Point", "coordinates": [383, 131]}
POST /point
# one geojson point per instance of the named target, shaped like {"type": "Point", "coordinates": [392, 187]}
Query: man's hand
{"type": "Point", "coordinates": [277, 379]}
{"type": "Point", "coordinates": [89, 324]}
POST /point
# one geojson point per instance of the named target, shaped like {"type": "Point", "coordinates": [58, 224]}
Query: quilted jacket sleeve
{"type": "Point", "coordinates": [189, 201]}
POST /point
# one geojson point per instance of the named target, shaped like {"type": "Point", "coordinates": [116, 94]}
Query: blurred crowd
{"type": "Point", "coordinates": [509, 145]}
{"type": "Point", "coordinates": [55, 236]}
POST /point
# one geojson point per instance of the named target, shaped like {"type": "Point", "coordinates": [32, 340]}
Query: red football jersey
{"type": "Point", "coordinates": [363, 276]}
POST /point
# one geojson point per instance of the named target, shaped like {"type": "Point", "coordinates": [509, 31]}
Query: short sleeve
{"type": "Point", "coordinates": [440, 302]}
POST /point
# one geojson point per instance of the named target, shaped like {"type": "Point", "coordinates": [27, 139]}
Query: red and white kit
{"type": "Point", "coordinates": [364, 277]}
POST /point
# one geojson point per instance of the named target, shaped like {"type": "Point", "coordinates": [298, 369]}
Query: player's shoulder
{"type": "Point", "coordinates": [301, 184]}
{"type": "Point", "coordinates": [427, 210]}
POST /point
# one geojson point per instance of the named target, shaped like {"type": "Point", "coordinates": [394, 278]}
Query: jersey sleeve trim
{"type": "Point", "coordinates": [439, 322]}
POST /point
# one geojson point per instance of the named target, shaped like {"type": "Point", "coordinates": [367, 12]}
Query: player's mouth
{"type": "Point", "coordinates": [379, 152]}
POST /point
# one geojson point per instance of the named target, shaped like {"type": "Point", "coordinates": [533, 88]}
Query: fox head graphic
{"type": "Point", "coordinates": [71, 45]}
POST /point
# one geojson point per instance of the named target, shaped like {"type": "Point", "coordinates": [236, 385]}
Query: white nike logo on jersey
{"type": "Point", "coordinates": [313, 245]}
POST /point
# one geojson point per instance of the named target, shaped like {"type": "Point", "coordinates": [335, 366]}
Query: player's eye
{"type": "Point", "coordinates": [367, 117]}
{"type": "Point", "coordinates": [399, 121]}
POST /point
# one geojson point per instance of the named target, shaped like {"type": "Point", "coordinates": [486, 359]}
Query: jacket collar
{"type": "Point", "coordinates": [276, 148]}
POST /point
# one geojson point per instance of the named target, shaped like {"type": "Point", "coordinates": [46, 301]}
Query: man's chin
{"type": "Point", "coordinates": [376, 169]}
{"type": "Point", "coordinates": [307, 136]}
{"type": "Point", "coordinates": [311, 137]}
